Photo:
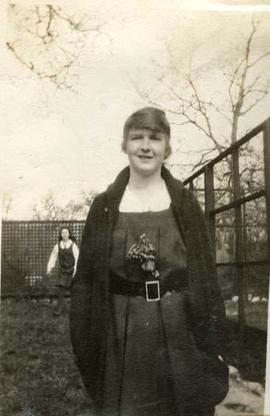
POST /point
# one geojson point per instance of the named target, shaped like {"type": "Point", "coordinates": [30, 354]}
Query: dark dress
{"type": "Point", "coordinates": [146, 366]}
{"type": "Point", "coordinates": [66, 266]}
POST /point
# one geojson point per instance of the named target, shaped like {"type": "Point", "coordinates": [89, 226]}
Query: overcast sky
{"type": "Point", "coordinates": [70, 141]}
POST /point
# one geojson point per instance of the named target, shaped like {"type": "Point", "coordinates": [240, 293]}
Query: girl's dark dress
{"type": "Point", "coordinates": [66, 266]}
{"type": "Point", "coordinates": [148, 365]}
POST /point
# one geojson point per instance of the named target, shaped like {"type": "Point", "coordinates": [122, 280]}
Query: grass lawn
{"type": "Point", "coordinates": [38, 375]}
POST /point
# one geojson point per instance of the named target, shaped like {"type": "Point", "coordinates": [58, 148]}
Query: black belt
{"type": "Point", "coordinates": [151, 290]}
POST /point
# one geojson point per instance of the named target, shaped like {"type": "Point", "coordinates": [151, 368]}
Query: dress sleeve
{"type": "Point", "coordinates": [52, 259]}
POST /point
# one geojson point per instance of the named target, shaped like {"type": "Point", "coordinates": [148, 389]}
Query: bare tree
{"type": "Point", "coordinates": [78, 209]}
{"type": "Point", "coordinates": [48, 41]}
{"type": "Point", "coordinates": [7, 200]}
{"type": "Point", "coordinates": [49, 209]}
{"type": "Point", "coordinates": [245, 90]}
{"type": "Point", "coordinates": [245, 94]}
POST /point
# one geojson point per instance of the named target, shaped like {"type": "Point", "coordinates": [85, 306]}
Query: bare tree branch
{"type": "Point", "coordinates": [251, 106]}
{"type": "Point", "coordinates": [39, 41]}
{"type": "Point", "coordinates": [256, 61]}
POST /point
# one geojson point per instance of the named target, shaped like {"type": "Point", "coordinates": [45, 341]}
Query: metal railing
{"type": "Point", "coordinates": [237, 198]}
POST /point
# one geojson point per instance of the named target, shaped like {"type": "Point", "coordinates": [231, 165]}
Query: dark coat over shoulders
{"type": "Point", "coordinates": [90, 290]}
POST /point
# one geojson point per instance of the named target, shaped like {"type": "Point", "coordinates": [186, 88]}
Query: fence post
{"type": "Point", "coordinates": [239, 243]}
{"type": "Point", "coordinates": [209, 197]}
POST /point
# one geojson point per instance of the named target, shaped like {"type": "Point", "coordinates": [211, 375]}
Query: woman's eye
{"type": "Point", "coordinates": [155, 138]}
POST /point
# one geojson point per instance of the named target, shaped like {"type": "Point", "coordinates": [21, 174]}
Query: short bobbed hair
{"type": "Point", "coordinates": [151, 118]}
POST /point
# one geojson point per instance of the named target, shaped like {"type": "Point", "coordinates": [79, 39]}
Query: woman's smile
{"type": "Point", "coordinates": [145, 157]}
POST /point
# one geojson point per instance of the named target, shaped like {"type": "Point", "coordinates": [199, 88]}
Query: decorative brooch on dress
{"type": "Point", "coordinates": [144, 255]}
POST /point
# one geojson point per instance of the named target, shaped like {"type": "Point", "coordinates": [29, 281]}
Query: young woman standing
{"type": "Point", "coordinates": [146, 312]}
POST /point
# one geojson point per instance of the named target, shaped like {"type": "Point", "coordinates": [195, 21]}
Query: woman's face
{"type": "Point", "coordinates": [146, 150]}
{"type": "Point", "coordinates": [65, 234]}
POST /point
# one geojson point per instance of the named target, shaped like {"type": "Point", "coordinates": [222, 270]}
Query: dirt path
{"type": "Point", "coordinates": [244, 398]}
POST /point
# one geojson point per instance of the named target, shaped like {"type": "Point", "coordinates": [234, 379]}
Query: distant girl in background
{"type": "Point", "coordinates": [66, 252]}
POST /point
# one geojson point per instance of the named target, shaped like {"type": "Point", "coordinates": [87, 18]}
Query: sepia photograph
{"type": "Point", "coordinates": [135, 208]}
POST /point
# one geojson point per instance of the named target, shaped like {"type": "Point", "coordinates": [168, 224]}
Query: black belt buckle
{"type": "Point", "coordinates": [152, 290]}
